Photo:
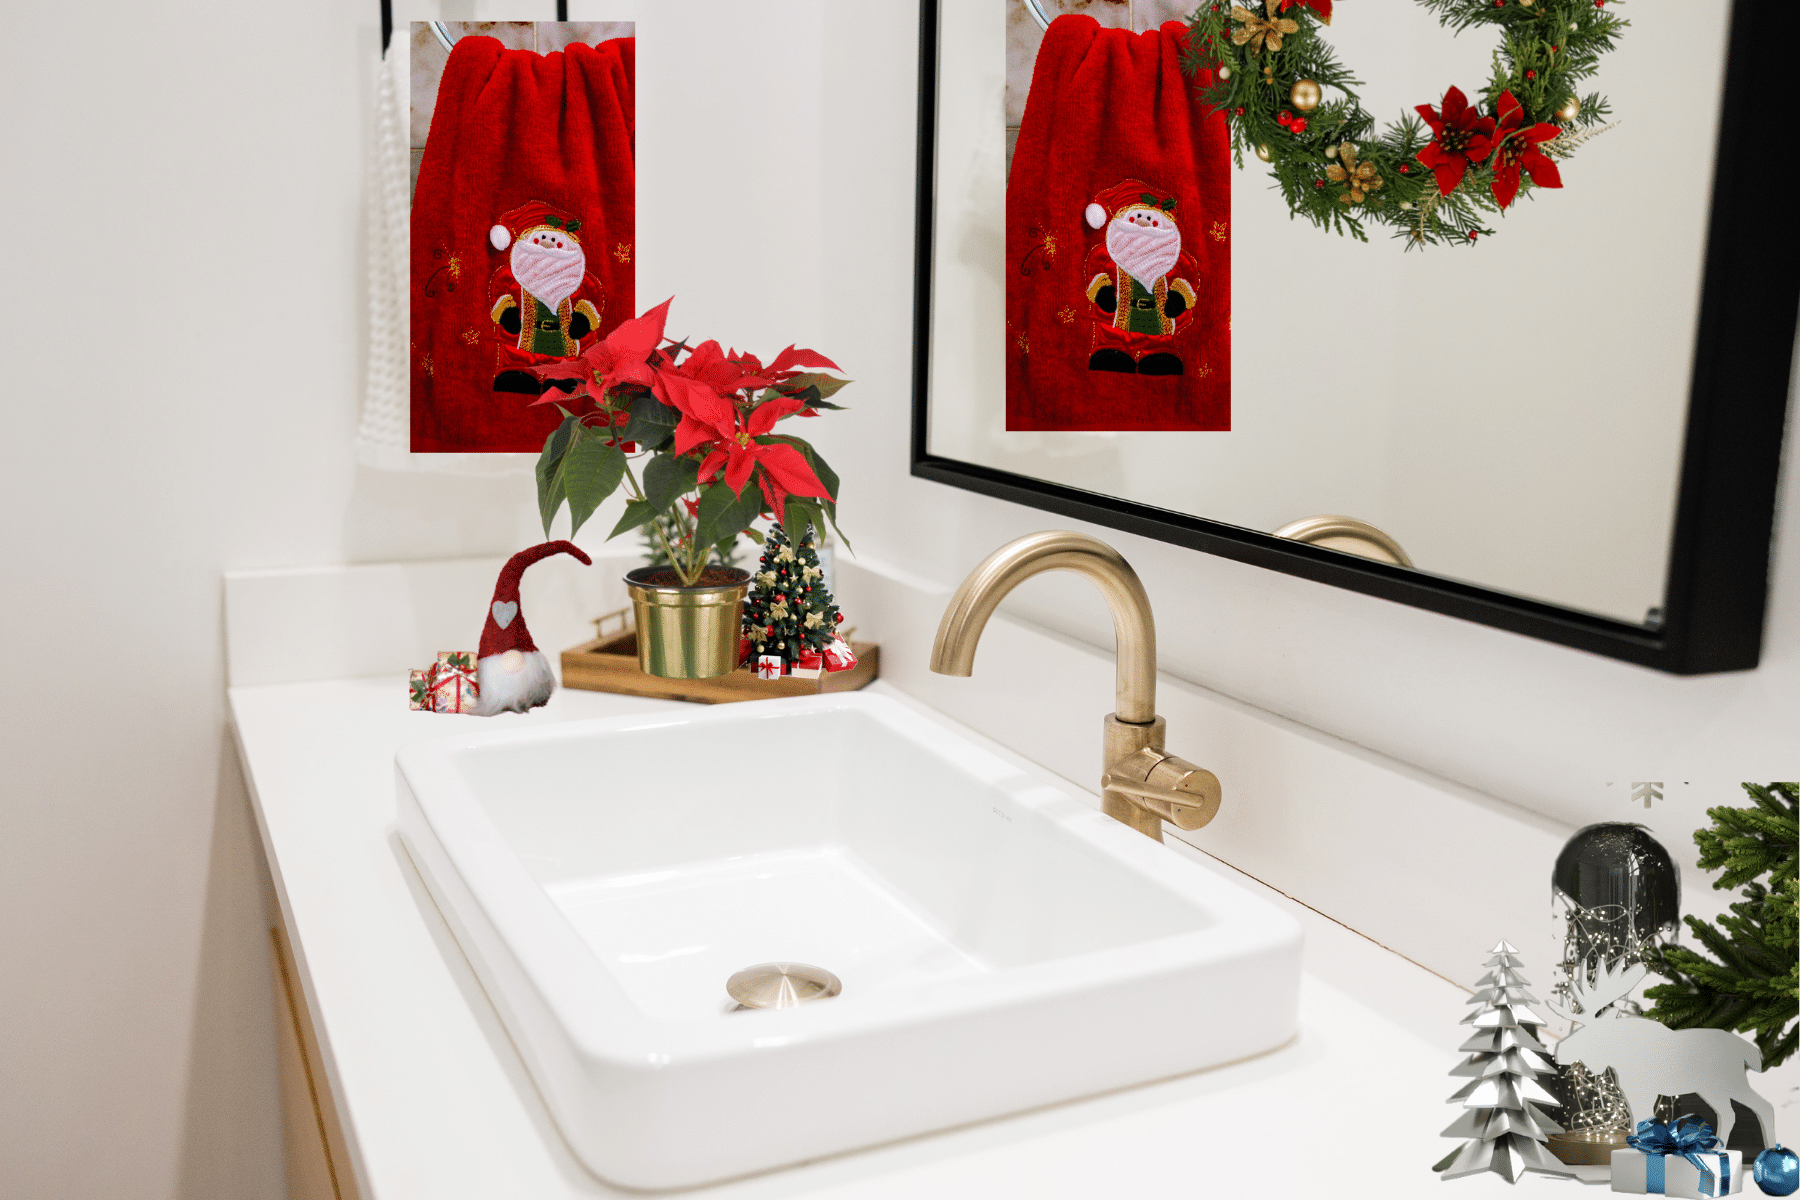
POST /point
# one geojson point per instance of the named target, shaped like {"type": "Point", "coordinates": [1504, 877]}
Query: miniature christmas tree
{"type": "Point", "coordinates": [1501, 1117]}
{"type": "Point", "coordinates": [1752, 986]}
{"type": "Point", "coordinates": [789, 613]}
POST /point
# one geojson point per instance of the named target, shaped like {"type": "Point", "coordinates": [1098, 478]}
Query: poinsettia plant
{"type": "Point", "coordinates": [690, 433]}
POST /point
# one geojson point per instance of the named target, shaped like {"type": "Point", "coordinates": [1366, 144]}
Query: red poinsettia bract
{"type": "Point", "coordinates": [1516, 150]}
{"type": "Point", "coordinates": [1463, 136]}
{"type": "Point", "coordinates": [1322, 7]}
{"type": "Point", "coordinates": [785, 471]}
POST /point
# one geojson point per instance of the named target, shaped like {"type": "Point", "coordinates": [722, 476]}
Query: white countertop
{"type": "Point", "coordinates": [439, 1107]}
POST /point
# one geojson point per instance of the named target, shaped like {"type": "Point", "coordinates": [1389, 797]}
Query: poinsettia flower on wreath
{"type": "Point", "coordinates": [1516, 150]}
{"type": "Point", "coordinates": [1461, 136]}
{"type": "Point", "coordinates": [1322, 7]}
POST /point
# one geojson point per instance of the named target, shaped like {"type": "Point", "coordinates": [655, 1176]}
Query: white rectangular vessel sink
{"type": "Point", "coordinates": [1000, 942]}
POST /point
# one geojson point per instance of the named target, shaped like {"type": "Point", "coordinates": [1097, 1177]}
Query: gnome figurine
{"type": "Point", "coordinates": [513, 673]}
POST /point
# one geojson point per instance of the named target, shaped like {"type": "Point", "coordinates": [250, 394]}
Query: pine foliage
{"type": "Point", "coordinates": [1547, 49]}
{"type": "Point", "coordinates": [1752, 980]}
{"type": "Point", "coordinates": [1502, 1120]}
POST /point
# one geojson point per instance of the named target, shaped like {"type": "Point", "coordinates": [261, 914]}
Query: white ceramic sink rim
{"type": "Point", "coordinates": [444, 821]}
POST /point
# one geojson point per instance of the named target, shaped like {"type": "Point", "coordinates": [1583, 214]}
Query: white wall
{"type": "Point", "coordinates": [182, 336]}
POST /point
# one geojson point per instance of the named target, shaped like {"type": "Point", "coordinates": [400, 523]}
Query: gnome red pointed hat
{"type": "Point", "coordinates": [505, 628]}
{"type": "Point", "coordinates": [532, 215]}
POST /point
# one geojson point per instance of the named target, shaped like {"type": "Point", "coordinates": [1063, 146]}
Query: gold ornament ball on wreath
{"type": "Point", "coordinates": [1262, 152]}
{"type": "Point", "coordinates": [1569, 111]}
{"type": "Point", "coordinates": [1305, 95]}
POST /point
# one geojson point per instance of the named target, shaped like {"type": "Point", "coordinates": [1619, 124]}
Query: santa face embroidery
{"type": "Point", "coordinates": [538, 302]}
{"type": "Point", "coordinates": [1144, 286]}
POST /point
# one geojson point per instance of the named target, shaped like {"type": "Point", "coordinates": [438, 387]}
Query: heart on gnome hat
{"type": "Point", "coordinates": [505, 611]}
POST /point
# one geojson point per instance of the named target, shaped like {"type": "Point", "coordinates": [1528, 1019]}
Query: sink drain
{"type": "Point", "coordinates": [782, 985]}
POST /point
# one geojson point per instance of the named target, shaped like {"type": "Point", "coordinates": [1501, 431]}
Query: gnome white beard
{"type": "Point", "coordinates": [513, 681]}
{"type": "Point", "coordinates": [1145, 252]}
{"type": "Point", "coordinates": [551, 273]}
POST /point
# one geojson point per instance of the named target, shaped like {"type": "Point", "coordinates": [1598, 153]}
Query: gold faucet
{"type": "Point", "coordinates": [1139, 783]}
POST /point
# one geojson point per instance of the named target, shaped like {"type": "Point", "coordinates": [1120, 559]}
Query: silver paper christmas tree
{"type": "Point", "coordinates": [1501, 1119]}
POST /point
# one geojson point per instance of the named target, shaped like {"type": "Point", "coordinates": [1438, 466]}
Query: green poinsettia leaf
{"type": "Point", "coordinates": [652, 422]}
{"type": "Point", "coordinates": [666, 479]}
{"type": "Point", "coordinates": [822, 385]}
{"type": "Point", "coordinates": [550, 469]}
{"type": "Point", "coordinates": [636, 513]}
{"type": "Point", "coordinates": [591, 472]}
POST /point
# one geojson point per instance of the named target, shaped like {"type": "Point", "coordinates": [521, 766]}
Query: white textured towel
{"type": "Point", "coordinates": [384, 436]}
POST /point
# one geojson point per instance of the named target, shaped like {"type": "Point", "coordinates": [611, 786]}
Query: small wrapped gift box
{"type": "Point", "coordinates": [418, 690]}
{"type": "Point", "coordinates": [768, 666]}
{"type": "Point", "coordinates": [454, 687]}
{"type": "Point", "coordinates": [1682, 1159]}
{"type": "Point", "coordinates": [808, 665]}
{"type": "Point", "coordinates": [1673, 1175]}
{"type": "Point", "coordinates": [838, 655]}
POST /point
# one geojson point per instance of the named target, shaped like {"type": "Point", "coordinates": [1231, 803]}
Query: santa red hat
{"type": "Point", "coordinates": [505, 628]}
{"type": "Point", "coordinates": [1124, 196]}
{"type": "Point", "coordinates": [534, 214]}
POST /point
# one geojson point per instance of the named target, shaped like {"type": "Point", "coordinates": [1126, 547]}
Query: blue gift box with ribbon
{"type": "Point", "coordinates": [1678, 1159]}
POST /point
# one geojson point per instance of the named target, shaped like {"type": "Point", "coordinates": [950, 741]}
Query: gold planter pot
{"type": "Point", "coordinates": [687, 632]}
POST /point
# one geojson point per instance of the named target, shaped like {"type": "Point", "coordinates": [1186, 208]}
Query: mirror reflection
{"type": "Point", "coordinates": [1508, 413]}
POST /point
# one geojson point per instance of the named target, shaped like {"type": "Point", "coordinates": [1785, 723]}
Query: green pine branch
{"type": "Point", "coordinates": [1751, 982]}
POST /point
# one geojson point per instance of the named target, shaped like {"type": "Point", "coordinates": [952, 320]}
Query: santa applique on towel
{"type": "Point", "coordinates": [1118, 239]}
{"type": "Point", "coordinates": [1142, 287]}
{"type": "Point", "coordinates": [545, 304]}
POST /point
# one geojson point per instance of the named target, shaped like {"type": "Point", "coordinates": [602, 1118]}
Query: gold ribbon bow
{"type": "Point", "coordinates": [1256, 30]}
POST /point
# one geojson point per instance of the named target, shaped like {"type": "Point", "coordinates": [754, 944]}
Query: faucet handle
{"type": "Point", "coordinates": [1172, 788]}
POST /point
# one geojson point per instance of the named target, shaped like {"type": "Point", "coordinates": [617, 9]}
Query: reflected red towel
{"type": "Point", "coordinates": [1118, 239]}
{"type": "Point", "coordinates": [523, 235]}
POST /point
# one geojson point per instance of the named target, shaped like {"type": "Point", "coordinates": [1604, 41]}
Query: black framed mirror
{"type": "Point", "coordinates": [1675, 312]}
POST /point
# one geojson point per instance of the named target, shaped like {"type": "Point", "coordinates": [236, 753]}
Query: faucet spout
{"type": "Point", "coordinates": [1134, 629]}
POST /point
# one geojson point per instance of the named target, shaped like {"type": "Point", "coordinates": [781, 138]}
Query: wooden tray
{"type": "Point", "coordinates": [609, 664]}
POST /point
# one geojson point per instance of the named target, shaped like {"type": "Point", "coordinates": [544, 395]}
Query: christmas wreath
{"type": "Point", "coordinates": [1434, 178]}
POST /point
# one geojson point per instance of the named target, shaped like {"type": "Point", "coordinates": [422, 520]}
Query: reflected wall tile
{"type": "Point", "coordinates": [1149, 14]}
{"type": "Point", "coordinates": [429, 56]}
{"type": "Point", "coordinates": [555, 35]}
{"type": "Point", "coordinates": [426, 62]}
{"type": "Point", "coordinates": [1024, 35]}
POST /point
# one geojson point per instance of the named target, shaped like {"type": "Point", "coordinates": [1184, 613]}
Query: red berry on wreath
{"type": "Point", "coordinates": [1284, 117]}
{"type": "Point", "coordinates": [1553, 49]}
{"type": "Point", "coordinates": [1531, 74]}
{"type": "Point", "coordinates": [1299, 125]}
{"type": "Point", "coordinates": [1405, 170]}
{"type": "Point", "coordinates": [1473, 233]}
{"type": "Point", "coordinates": [1240, 112]}
{"type": "Point", "coordinates": [1318, 183]}
{"type": "Point", "coordinates": [1599, 3]}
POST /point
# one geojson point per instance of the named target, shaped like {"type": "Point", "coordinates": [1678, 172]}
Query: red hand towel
{"type": "Point", "coordinates": [1118, 239]}
{"type": "Point", "coordinates": [523, 235]}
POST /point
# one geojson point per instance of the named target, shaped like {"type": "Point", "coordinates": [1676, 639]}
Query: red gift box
{"type": "Point", "coordinates": [838, 655]}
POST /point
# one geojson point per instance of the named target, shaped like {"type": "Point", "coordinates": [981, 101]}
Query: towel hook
{"type": "Point", "coordinates": [1036, 9]}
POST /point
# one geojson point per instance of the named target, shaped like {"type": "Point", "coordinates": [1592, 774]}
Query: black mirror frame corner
{"type": "Point", "coordinates": [1716, 593]}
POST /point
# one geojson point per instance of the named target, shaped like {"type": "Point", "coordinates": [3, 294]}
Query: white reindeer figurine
{"type": "Point", "coordinates": [1649, 1059]}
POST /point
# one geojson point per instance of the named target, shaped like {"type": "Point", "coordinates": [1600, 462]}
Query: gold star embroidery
{"type": "Point", "coordinates": [1218, 231]}
{"type": "Point", "coordinates": [455, 266]}
{"type": "Point", "coordinates": [1204, 371]}
{"type": "Point", "coordinates": [1049, 245]}
{"type": "Point", "coordinates": [470, 337]}
{"type": "Point", "coordinates": [1024, 344]}
{"type": "Point", "coordinates": [1066, 315]}
{"type": "Point", "coordinates": [425, 365]}
{"type": "Point", "coordinates": [622, 252]}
